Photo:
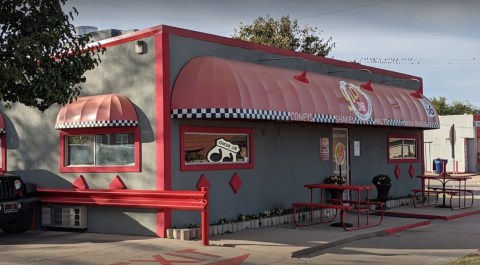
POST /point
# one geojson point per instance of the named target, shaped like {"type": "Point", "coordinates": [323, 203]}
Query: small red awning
{"type": "Point", "coordinates": [211, 87]}
{"type": "Point", "coordinates": [3, 128]}
{"type": "Point", "coordinates": [110, 110]}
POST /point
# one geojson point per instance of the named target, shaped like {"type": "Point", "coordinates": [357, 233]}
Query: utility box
{"type": "Point", "coordinates": [64, 216]}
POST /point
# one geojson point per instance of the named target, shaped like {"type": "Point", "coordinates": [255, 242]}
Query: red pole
{"type": "Point", "coordinates": [205, 225]}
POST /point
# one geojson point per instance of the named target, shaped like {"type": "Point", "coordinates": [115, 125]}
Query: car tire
{"type": "Point", "coordinates": [18, 226]}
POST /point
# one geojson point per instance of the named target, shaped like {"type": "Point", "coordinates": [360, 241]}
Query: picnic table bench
{"type": "Point", "coordinates": [354, 204]}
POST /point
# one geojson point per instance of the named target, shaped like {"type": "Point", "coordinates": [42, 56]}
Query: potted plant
{"type": "Point", "coordinates": [334, 179]}
{"type": "Point", "coordinates": [383, 183]}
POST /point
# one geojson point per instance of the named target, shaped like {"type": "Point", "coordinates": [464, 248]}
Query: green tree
{"type": "Point", "coordinates": [455, 108]}
{"type": "Point", "coordinates": [285, 33]}
{"type": "Point", "coordinates": [42, 60]}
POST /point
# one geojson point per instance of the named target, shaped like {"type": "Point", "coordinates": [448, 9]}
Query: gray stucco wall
{"type": "Point", "coordinates": [286, 154]}
{"type": "Point", "coordinates": [33, 144]}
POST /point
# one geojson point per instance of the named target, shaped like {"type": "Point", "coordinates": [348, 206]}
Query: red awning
{"type": "Point", "coordinates": [97, 111]}
{"type": "Point", "coordinates": [211, 87]}
{"type": "Point", "coordinates": [3, 128]}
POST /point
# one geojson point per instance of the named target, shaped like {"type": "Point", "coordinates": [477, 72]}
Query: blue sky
{"type": "Point", "coordinates": [438, 40]}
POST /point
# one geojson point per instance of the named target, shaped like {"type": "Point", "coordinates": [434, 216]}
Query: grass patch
{"type": "Point", "coordinates": [470, 259]}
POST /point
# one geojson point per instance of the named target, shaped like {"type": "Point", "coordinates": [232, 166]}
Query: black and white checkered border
{"type": "Point", "coordinates": [93, 124]}
{"type": "Point", "coordinates": [253, 114]}
{"type": "Point", "coordinates": [3, 130]}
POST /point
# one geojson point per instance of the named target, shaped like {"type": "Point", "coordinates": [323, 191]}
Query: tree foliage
{"type": "Point", "coordinates": [455, 108]}
{"type": "Point", "coordinates": [42, 61]}
{"type": "Point", "coordinates": [285, 33]}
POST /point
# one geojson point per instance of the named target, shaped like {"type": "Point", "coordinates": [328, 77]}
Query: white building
{"type": "Point", "coordinates": [465, 153]}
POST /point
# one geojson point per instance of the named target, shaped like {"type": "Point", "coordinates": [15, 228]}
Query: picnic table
{"type": "Point", "coordinates": [460, 196]}
{"type": "Point", "coordinates": [356, 201]}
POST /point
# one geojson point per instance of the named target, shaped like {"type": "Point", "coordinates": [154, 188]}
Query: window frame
{"type": "Point", "coordinates": [96, 131]}
{"type": "Point", "coordinates": [404, 137]}
{"type": "Point", "coordinates": [215, 166]}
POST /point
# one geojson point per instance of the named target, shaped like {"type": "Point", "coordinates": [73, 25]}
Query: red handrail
{"type": "Point", "coordinates": [153, 199]}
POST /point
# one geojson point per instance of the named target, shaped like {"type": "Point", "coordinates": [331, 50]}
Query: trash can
{"type": "Point", "coordinates": [438, 165]}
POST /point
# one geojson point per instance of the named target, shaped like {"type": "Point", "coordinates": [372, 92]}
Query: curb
{"type": "Point", "coordinates": [388, 231]}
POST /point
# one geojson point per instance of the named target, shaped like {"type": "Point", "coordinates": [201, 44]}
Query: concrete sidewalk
{"type": "Point", "coordinates": [290, 241]}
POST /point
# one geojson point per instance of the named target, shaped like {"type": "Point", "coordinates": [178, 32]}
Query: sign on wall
{"type": "Point", "coordinates": [324, 149]}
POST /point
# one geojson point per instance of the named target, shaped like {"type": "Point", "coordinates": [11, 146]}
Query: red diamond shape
{"type": "Point", "coordinates": [397, 171]}
{"type": "Point", "coordinates": [235, 182]}
{"type": "Point", "coordinates": [411, 171]}
{"type": "Point", "coordinates": [117, 183]}
{"type": "Point", "coordinates": [80, 183]}
{"type": "Point", "coordinates": [202, 182]}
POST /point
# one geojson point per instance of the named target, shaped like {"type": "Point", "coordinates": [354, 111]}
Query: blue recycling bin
{"type": "Point", "coordinates": [438, 165]}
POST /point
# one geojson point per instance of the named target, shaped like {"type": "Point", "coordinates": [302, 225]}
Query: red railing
{"type": "Point", "coordinates": [153, 199]}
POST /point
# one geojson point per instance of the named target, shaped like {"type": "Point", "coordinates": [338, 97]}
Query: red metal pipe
{"type": "Point", "coordinates": [152, 199]}
{"type": "Point", "coordinates": [205, 225]}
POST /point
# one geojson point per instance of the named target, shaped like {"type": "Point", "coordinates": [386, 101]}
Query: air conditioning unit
{"type": "Point", "coordinates": [64, 216]}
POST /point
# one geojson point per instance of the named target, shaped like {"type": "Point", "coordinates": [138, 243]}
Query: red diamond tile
{"type": "Point", "coordinates": [411, 171]}
{"type": "Point", "coordinates": [80, 183]}
{"type": "Point", "coordinates": [397, 171]}
{"type": "Point", "coordinates": [235, 182]}
{"type": "Point", "coordinates": [117, 184]}
{"type": "Point", "coordinates": [202, 182]}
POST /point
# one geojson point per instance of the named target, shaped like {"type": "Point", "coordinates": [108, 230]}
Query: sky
{"type": "Point", "coordinates": [438, 40]}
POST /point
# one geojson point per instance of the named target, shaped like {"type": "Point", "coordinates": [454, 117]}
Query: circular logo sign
{"type": "Point", "coordinates": [358, 101]}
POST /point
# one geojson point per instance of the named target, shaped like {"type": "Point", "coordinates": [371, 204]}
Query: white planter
{"type": "Point", "coordinates": [254, 224]}
{"type": "Point", "coordinates": [213, 230]}
{"type": "Point", "coordinates": [184, 234]}
{"type": "Point", "coordinates": [170, 233]}
{"type": "Point", "coordinates": [275, 220]}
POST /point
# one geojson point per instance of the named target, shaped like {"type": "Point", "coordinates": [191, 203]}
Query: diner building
{"type": "Point", "coordinates": [174, 109]}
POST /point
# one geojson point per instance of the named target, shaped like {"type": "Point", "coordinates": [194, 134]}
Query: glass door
{"type": "Point", "coordinates": [340, 153]}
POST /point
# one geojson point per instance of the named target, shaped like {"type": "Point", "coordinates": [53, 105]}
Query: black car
{"type": "Point", "coordinates": [18, 204]}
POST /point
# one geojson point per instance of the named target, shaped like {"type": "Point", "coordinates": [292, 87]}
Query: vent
{"type": "Point", "coordinates": [64, 216]}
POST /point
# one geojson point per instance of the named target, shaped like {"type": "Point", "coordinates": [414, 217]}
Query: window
{"type": "Point", "coordinates": [209, 148]}
{"type": "Point", "coordinates": [402, 148]}
{"type": "Point", "coordinates": [100, 150]}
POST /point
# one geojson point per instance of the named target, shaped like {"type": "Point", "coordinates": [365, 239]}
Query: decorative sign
{"type": "Point", "coordinates": [339, 154]}
{"type": "Point", "coordinates": [324, 149]}
{"type": "Point", "coordinates": [223, 151]}
{"type": "Point", "coordinates": [429, 109]}
{"type": "Point", "coordinates": [356, 148]}
{"type": "Point", "coordinates": [358, 100]}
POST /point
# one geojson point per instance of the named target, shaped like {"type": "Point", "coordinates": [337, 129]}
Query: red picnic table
{"type": "Point", "coordinates": [355, 202]}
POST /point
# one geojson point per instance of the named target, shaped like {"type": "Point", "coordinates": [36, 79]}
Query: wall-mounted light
{"type": "Point", "coordinates": [140, 47]}
{"type": "Point", "coordinates": [418, 93]}
{"type": "Point", "coordinates": [366, 86]}
{"type": "Point", "coordinates": [300, 77]}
